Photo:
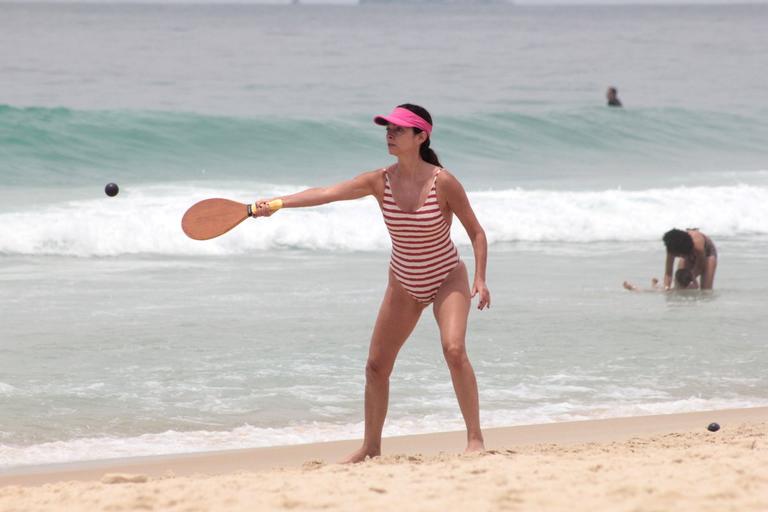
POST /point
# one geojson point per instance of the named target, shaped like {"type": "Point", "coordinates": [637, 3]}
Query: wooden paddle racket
{"type": "Point", "coordinates": [213, 217]}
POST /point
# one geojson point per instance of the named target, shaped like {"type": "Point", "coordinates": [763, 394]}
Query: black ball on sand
{"type": "Point", "coordinates": [111, 189]}
{"type": "Point", "coordinates": [713, 427]}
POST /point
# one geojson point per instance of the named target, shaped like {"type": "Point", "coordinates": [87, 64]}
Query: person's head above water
{"type": "Point", "coordinates": [684, 277]}
{"type": "Point", "coordinates": [612, 95]}
{"type": "Point", "coordinates": [416, 118]}
{"type": "Point", "coordinates": [678, 242]}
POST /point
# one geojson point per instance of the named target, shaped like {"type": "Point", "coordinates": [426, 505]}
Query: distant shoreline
{"type": "Point", "coordinates": [411, 2]}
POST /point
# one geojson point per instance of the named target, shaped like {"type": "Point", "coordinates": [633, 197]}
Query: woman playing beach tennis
{"type": "Point", "coordinates": [418, 199]}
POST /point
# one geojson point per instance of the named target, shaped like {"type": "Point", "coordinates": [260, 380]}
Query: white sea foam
{"type": "Point", "coordinates": [147, 220]}
{"type": "Point", "coordinates": [6, 389]}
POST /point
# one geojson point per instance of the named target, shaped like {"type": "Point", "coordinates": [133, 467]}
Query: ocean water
{"type": "Point", "coordinates": [119, 336]}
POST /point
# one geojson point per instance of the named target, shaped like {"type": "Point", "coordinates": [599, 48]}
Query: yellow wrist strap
{"type": "Point", "coordinates": [275, 205]}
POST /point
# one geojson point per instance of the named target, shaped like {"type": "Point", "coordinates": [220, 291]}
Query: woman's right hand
{"type": "Point", "coordinates": [262, 208]}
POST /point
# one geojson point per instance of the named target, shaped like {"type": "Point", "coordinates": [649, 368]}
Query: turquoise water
{"type": "Point", "coordinates": [120, 336]}
{"type": "Point", "coordinates": [591, 144]}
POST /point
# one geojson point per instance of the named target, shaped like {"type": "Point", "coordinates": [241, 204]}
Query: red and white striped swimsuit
{"type": "Point", "coordinates": [423, 253]}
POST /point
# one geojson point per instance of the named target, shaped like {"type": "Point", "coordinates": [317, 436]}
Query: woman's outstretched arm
{"type": "Point", "coordinates": [360, 186]}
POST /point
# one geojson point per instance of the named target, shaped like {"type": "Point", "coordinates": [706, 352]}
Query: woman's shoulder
{"type": "Point", "coordinates": [375, 179]}
{"type": "Point", "coordinates": [699, 238]}
{"type": "Point", "coordinates": [446, 179]}
{"type": "Point", "coordinates": [382, 171]}
{"type": "Point", "coordinates": [696, 233]}
{"type": "Point", "coordinates": [376, 174]}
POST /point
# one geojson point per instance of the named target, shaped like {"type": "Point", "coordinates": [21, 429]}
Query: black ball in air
{"type": "Point", "coordinates": [111, 189]}
{"type": "Point", "coordinates": [713, 427]}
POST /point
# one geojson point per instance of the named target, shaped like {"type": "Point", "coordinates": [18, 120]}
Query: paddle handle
{"type": "Point", "coordinates": [274, 205]}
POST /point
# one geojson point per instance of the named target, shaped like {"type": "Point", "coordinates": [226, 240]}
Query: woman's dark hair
{"type": "Point", "coordinates": [426, 153]}
{"type": "Point", "coordinates": [678, 241]}
{"type": "Point", "coordinates": [683, 277]}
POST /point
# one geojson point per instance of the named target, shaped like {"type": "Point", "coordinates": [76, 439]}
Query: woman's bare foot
{"type": "Point", "coordinates": [629, 286]}
{"type": "Point", "coordinates": [360, 455]}
{"type": "Point", "coordinates": [476, 445]}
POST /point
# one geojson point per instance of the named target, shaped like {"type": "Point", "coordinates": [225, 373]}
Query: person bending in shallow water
{"type": "Point", "coordinates": [684, 280]}
{"type": "Point", "coordinates": [418, 200]}
{"type": "Point", "coordinates": [694, 251]}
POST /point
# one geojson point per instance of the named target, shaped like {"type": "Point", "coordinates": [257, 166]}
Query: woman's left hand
{"type": "Point", "coordinates": [485, 295]}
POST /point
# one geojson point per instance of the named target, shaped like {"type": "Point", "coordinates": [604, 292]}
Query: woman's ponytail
{"type": "Point", "coordinates": [428, 155]}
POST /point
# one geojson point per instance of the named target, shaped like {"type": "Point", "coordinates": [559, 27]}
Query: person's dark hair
{"type": "Point", "coordinates": [678, 241]}
{"type": "Point", "coordinates": [426, 153]}
{"type": "Point", "coordinates": [683, 277]}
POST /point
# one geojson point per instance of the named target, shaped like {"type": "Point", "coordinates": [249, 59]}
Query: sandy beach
{"type": "Point", "coordinates": [668, 462]}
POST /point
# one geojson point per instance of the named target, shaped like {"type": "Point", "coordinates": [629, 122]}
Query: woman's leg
{"type": "Point", "coordinates": [708, 275]}
{"type": "Point", "coordinates": [398, 315]}
{"type": "Point", "coordinates": [451, 311]}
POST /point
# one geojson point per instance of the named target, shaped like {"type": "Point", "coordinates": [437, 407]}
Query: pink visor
{"type": "Point", "coordinates": [404, 117]}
